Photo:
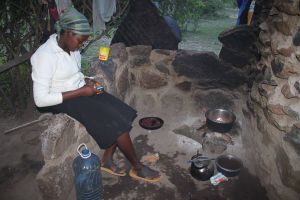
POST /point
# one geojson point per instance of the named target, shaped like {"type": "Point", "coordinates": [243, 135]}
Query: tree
{"type": "Point", "coordinates": [191, 11]}
{"type": "Point", "coordinates": [22, 26]}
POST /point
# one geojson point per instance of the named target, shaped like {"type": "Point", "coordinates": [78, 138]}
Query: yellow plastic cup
{"type": "Point", "coordinates": [103, 53]}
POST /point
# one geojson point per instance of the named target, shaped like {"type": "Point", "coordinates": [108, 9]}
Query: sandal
{"type": "Point", "coordinates": [145, 174]}
{"type": "Point", "coordinates": [112, 168]}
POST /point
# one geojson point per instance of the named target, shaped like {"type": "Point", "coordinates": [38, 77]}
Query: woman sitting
{"type": "Point", "coordinates": [60, 87]}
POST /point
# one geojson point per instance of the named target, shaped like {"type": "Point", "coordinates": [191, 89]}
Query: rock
{"type": "Point", "coordinates": [297, 53]}
{"type": "Point", "coordinates": [293, 137]}
{"type": "Point", "coordinates": [267, 76]}
{"type": "Point", "coordinates": [264, 38]}
{"type": "Point", "coordinates": [284, 23]}
{"type": "Point", "coordinates": [293, 111]}
{"type": "Point", "coordinates": [151, 80]}
{"type": "Point", "coordinates": [139, 55]}
{"type": "Point", "coordinates": [122, 83]}
{"type": "Point", "coordinates": [281, 69]}
{"type": "Point", "coordinates": [289, 177]}
{"type": "Point", "coordinates": [281, 122]}
{"type": "Point", "coordinates": [161, 54]}
{"type": "Point", "coordinates": [208, 69]}
{"type": "Point", "coordinates": [294, 85]}
{"type": "Point", "coordinates": [296, 39]}
{"type": "Point", "coordinates": [184, 86]}
{"type": "Point", "coordinates": [138, 61]}
{"type": "Point", "coordinates": [56, 181]}
{"type": "Point", "coordinates": [264, 27]}
{"type": "Point", "coordinates": [118, 52]}
{"type": "Point", "coordinates": [257, 97]}
{"type": "Point", "coordinates": [274, 12]}
{"type": "Point", "coordinates": [57, 136]}
{"type": "Point", "coordinates": [162, 66]}
{"type": "Point", "coordinates": [139, 50]}
{"type": "Point", "coordinates": [266, 90]}
{"type": "Point", "coordinates": [297, 86]}
{"type": "Point", "coordinates": [286, 91]}
{"type": "Point", "coordinates": [282, 44]}
{"type": "Point", "coordinates": [297, 125]}
{"type": "Point", "coordinates": [104, 72]}
{"type": "Point", "coordinates": [236, 58]}
{"type": "Point", "coordinates": [276, 109]}
{"type": "Point", "coordinates": [290, 7]}
{"type": "Point", "coordinates": [285, 51]}
{"type": "Point", "coordinates": [265, 51]}
{"type": "Point", "coordinates": [59, 147]}
{"type": "Point", "coordinates": [241, 38]}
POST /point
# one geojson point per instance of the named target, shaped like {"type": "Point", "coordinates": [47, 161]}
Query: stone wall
{"type": "Point", "coordinates": [274, 101]}
{"type": "Point", "coordinates": [59, 143]}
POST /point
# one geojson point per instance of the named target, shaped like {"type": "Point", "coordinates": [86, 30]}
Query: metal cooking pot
{"type": "Point", "coordinates": [202, 168]}
{"type": "Point", "coordinates": [219, 120]}
{"type": "Point", "coordinates": [229, 165]}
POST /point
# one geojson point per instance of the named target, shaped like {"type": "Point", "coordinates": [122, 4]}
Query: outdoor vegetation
{"type": "Point", "coordinates": [25, 24]}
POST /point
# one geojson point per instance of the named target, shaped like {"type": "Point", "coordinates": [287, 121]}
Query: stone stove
{"type": "Point", "coordinates": [179, 86]}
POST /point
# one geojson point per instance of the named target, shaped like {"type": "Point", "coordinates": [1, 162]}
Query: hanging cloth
{"type": "Point", "coordinates": [251, 12]}
{"type": "Point", "coordinates": [103, 10]}
{"type": "Point", "coordinates": [53, 10]}
{"type": "Point", "coordinates": [62, 5]}
{"type": "Point", "coordinates": [242, 4]}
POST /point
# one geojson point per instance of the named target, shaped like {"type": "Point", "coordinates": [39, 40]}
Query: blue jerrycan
{"type": "Point", "coordinates": [88, 180]}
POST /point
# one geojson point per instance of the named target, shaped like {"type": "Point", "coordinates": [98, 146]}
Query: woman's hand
{"type": "Point", "coordinates": [95, 84]}
{"type": "Point", "coordinates": [88, 90]}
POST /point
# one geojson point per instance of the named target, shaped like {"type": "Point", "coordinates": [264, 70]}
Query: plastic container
{"type": "Point", "coordinates": [218, 178]}
{"type": "Point", "coordinates": [104, 49]}
{"type": "Point", "coordinates": [88, 179]}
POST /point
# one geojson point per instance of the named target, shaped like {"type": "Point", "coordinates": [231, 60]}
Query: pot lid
{"type": "Point", "coordinates": [151, 123]}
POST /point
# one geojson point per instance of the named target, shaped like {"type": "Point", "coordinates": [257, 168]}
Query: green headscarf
{"type": "Point", "coordinates": [74, 21]}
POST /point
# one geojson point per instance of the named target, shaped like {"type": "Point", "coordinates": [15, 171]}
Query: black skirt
{"type": "Point", "coordinates": [104, 116]}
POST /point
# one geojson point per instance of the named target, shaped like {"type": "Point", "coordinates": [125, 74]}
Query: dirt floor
{"type": "Point", "coordinates": [21, 160]}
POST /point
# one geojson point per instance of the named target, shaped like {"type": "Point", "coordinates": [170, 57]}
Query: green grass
{"type": "Point", "coordinates": [206, 36]}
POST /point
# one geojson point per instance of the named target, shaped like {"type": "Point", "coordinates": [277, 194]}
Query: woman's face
{"type": "Point", "coordinates": [74, 42]}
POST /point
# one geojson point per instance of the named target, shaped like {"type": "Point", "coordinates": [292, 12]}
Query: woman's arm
{"type": "Point", "coordinates": [86, 90]}
{"type": "Point", "coordinates": [43, 68]}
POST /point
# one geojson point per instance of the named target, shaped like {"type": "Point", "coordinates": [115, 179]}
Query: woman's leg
{"type": "Point", "coordinates": [109, 153]}
{"type": "Point", "coordinates": [125, 145]}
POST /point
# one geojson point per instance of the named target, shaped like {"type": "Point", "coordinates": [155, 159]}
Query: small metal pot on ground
{"type": "Point", "coordinates": [201, 168]}
{"type": "Point", "coordinates": [229, 165]}
{"type": "Point", "coordinates": [220, 120]}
